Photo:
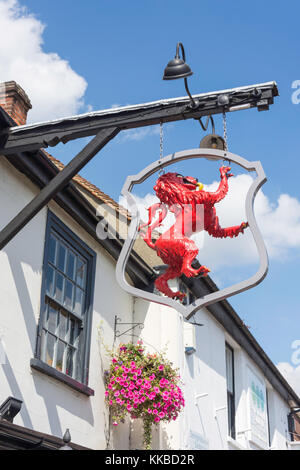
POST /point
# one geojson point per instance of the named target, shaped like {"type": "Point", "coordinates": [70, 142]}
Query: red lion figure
{"type": "Point", "coordinates": [183, 196]}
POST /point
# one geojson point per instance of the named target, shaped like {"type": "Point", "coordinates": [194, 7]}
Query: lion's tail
{"type": "Point", "coordinates": [152, 212]}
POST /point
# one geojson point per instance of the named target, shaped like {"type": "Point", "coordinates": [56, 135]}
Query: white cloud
{"type": "Point", "coordinates": [55, 90]}
{"type": "Point", "coordinates": [139, 134]}
{"type": "Point", "coordinates": [279, 223]}
{"type": "Point", "coordinates": [291, 374]}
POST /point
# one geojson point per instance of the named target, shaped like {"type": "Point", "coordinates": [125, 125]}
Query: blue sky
{"type": "Point", "coordinates": [117, 52]}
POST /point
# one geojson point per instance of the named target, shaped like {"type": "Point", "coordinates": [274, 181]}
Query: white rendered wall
{"type": "Point", "coordinates": [48, 405]}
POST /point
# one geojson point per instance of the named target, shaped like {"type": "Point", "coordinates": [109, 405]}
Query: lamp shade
{"type": "Point", "coordinates": [177, 68]}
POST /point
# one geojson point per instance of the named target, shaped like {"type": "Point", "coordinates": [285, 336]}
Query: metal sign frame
{"type": "Point", "coordinates": [213, 155]}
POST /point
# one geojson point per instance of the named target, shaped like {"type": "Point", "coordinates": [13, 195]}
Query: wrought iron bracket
{"type": "Point", "coordinates": [118, 321]}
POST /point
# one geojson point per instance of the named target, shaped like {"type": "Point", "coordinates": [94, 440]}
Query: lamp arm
{"type": "Point", "coordinates": [193, 102]}
{"type": "Point", "coordinates": [180, 45]}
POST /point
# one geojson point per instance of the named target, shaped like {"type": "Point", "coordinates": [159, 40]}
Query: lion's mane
{"type": "Point", "coordinates": [169, 191]}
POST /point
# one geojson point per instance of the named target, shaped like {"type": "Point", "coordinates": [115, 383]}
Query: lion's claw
{"type": "Point", "coordinates": [244, 225]}
{"type": "Point", "coordinates": [224, 170]}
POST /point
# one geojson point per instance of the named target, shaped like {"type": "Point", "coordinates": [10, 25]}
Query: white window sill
{"type": "Point", "coordinates": [294, 445]}
{"type": "Point", "coordinates": [235, 444]}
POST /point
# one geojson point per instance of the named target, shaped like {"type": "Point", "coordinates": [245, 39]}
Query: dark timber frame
{"type": "Point", "coordinates": [105, 125]}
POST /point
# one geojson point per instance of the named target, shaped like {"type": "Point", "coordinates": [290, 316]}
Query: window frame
{"type": "Point", "coordinates": [81, 248]}
{"type": "Point", "coordinates": [190, 297]}
{"type": "Point", "coordinates": [231, 395]}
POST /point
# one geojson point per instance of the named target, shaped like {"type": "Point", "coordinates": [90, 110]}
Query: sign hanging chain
{"type": "Point", "coordinates": [161, 141]}
{"type": "Point", "coordinates": [225, 131]}
{"type": "Point", "coordinates": [161, 147]}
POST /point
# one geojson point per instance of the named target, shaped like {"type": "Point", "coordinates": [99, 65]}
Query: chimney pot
{"type": "Point", "coordinates": [14, 101]}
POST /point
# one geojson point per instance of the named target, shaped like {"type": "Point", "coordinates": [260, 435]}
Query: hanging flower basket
{"type": "Point", "coordinates": [144, 386]}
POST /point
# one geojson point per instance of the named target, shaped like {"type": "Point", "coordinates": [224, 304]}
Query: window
{"type": "Point", "coordinates": [230, 390]}
{"type": "Point", "coordinates": [66, 303]}
{"type": "Point", "coordinates": [189, 298]}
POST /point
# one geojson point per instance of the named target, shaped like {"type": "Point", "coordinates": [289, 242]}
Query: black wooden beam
{"type": "Point", "coordinates": [106, 125]}
{"type": "Point", "coordinates": [40, 170]}
{"type": "Point", "coordinates": [56, 184]}
{"type": "Point", "coordinates": [14, 437]}
{"type": "Point", "coordinates": [36, 136]}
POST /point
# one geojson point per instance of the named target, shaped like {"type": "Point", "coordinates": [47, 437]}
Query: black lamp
{"type": "Point", "coordinates": [178, 68]}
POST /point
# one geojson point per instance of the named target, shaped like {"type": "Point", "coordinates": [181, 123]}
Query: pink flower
{"type": "Point", "coordinates": [139, 381]}
{"type": "Point", "coordinates": [115, 423]}
{"type": "Point", "coordinates": [155, 412]}
{"type": "Point", "coordinates": [132, 364]}
{"type": "Point", "coordinates": [134, 377]}
{"type": "Point", "coordinates": [149, 411]}
{"type": "Point", "coordinates": [161, 367]}
{"type": "Point", "coordinates": [156, 419]}
{"type": "Point", "coordinates": [117, 394]}
{"type": "Point", "coordinates": [114, 360]}
{"type": "Point", "coordinates": [116, 367]}
{"type": "Point", "coordinates": [161, 415]}
{"type": "Point", "coordinates": [156, 389]}
{"type": "Point", "coordinates": [152, 377]}
{"type": "Point", "coordinates": [129, 407]}
{"type": "Point", "coordinates": [139, 372]}
{"type": "Point", "coordinates": [106, 393]}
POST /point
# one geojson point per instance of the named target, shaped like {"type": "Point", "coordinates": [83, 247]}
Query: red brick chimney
{"type": "Point", "coordinates": [14, 101]}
